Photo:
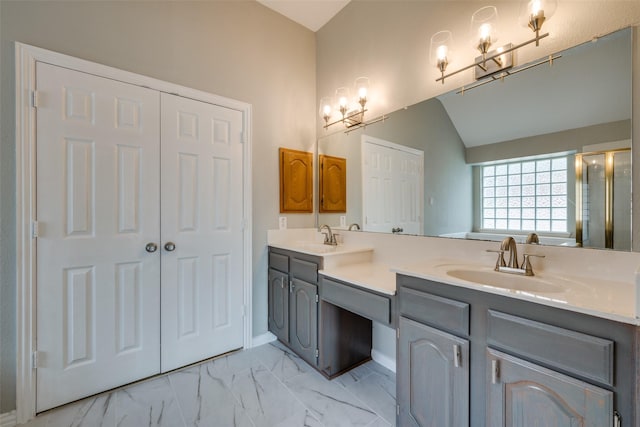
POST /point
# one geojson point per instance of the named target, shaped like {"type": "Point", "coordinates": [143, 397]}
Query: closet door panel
{"type": "Point", "coordinates": [98, 292]}
{"type": "Point", "coordinates": [201, 179]}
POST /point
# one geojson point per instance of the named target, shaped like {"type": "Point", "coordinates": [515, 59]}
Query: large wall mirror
{"type": "Point", "coordinates": [546, 150]}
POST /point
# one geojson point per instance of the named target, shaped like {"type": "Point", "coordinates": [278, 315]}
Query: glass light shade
{"type": "Point", "coordinates": [362, 89]}
{"type": "Point", "coordinates": [440, 50]}
{"type": "Point", "coordinates": [342, 99]}
{"type": "Point", "coordinates": [484, 28]}
{"type": "Point", "coordinates": [326, 108]}
{"type": "Point", "coordinates": [533, 13]}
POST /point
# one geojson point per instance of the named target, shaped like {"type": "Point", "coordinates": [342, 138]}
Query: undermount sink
{"type": "Point", "coordinates": [319, 248]}
{"type": "Point", "coordinates": [506, 281]}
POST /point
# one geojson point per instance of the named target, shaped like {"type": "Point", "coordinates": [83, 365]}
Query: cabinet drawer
{"type": "Point", "coordinates": [573, 352]}
{"type": "Point", "coordinates": [366, 304]}
{"type": "Point", "coordinates": [444, 313]}
{"type": "Point", "coordinates": [304, 270]}
{"type": "Point", "coordinates": [279, 262]}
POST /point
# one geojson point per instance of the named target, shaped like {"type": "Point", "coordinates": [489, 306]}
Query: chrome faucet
{"type": "Point", "coordinates": [329, 237]}
{"type": "Point", "coordinates": [509, 244]}
{"type": "Point", "coordinates": [354, 226]}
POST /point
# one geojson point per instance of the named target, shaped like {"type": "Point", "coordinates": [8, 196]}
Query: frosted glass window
{"type": "Point", "coordinates": [525, 195]}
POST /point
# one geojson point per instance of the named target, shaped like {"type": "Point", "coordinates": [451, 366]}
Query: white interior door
{"type": "Point", "coordinates": [201, 180]}
{"type": "Point", "coordinates": [392, 187]}
{"type": "Point", "coordinates": [98, 289]}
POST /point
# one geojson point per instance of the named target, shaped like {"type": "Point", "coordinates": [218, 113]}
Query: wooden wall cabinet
{"type": "Point", "coordinates": [296, 181]}
{"type": "Point", "coordinates": [332, 182]}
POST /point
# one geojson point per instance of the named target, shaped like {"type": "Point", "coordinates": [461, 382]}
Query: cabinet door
{"type": "Point", "coordinates": [433, 377]}
{"type": "Point", "coordinates": [522, 394]}
{"type": "Point", "coordinates": [303, 332]}
{"type": "Point", "coordinates": [279, 304]}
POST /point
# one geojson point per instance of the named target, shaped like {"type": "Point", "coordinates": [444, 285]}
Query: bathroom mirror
{"type": "Point", "coordinates": [500, 159]}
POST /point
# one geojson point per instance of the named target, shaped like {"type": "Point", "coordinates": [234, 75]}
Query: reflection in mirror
{"type": "Point", "coordinates": [506, 158]}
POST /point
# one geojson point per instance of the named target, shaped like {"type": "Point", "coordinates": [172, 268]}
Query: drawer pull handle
{"type": "Point", "coordinates": [457, 357]}
{"type": "Point", "coordinates": [495, 372]}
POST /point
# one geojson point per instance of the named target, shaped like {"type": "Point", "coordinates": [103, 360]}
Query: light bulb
{"type": "Point", "coordinates": [325, 108]}
{"type": "Point", "coordinates": [536, 7]}
{"type": "Point", "coordinates": [362, 88]}
{"type": "Point", "coordinates": [485, 32]}
{"type": "Point", "coordinates": [441, 52]}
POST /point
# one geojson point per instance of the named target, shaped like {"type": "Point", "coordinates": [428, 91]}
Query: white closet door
{"type": "Point", "coordinates": [201, 180]}
{"type": "Point", "coordinates": [410, 176]}
{"type": "Point", "coordinates": [98, 292]}
{"type": "Point", "coordinates": [378, 193]}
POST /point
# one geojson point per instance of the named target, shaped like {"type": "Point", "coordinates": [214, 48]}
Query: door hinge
{"type": "Point", "coordinates": [617, 419]}
{"type": "Point", "coordinates": [495, 371]}
{"type": "Point", "coordinates": [35, 230]}
{"type": "Point", "coordinates": [397, 409]}
{"type": "Point", "coordinates": [317, 353]}
{"type": "Point", "coordinates": [35, 360]}
{"type": "Point", "coordinates": [34, 99]}
{"type": "Point", "coordinates": [317, 298]}
{"type": "Point", "coordinates": [243, 137]}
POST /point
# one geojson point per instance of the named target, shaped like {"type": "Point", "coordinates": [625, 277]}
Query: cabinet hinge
{"type": "Point", "coordinates": [317, 298]}
{"type": "Point", "coordinates": [34, 230]}
{"type": "Point", "coordinates": [317, 353]}
{"type": "Point", "coordinates": [397, 333]}
{"type": "Point", "coordinates": [34, 99]}
{"type": "Point", "coordinates": [397, 409]}
{"type": "Point", "coordinates": [617, 419]}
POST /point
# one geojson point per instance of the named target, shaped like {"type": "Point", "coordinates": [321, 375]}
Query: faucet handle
{"type": "Point", "coordinates": [526, 263]}
{"type": "Point", "coordinates": [500, 262]}
{"type": "Point", "coordinates": [326, 237]}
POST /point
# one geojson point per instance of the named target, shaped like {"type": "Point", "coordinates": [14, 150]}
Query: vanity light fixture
{"type": "Point", "coordinates": [351, 110]}
{"type": "Point", "coordinates": [484, 35]}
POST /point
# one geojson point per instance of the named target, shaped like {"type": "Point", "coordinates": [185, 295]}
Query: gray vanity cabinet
{"type": "Point", "coordinates": [523, 394]}
{"type": "Point", "coordinates": [279, 304]}
{"type": "Point", "coordinates": [303, 331]}
{"type": "Point", "coordinates": [526, 364]}
{"type": "Point", "coordinates": [433, 382]}
{"type": "Point", "coordinates": [293, 301]}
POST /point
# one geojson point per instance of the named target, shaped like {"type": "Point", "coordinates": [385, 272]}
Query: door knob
{"type": "Point", "coordinates": [151, 247]}
{"type": "Point", "coordinates": [169, 246]}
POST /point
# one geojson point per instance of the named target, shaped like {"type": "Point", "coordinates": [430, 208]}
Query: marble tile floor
{"type": "Point", "coordinates": [266, 386]}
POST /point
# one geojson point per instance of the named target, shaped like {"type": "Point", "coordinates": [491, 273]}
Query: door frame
{"type": "Point", "coordinates": [26, 57]}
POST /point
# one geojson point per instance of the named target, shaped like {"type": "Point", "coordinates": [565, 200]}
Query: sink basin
{"type": "Point", "coordinates": [506, 281]}
{"type": "Point", "coordinates": [316, 248]}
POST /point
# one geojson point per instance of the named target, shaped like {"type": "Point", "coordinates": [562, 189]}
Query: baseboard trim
{"type": "Point", "coordinates": [384, 360]}
{"type": "Point", "coordinates": [8, 419]}
{"type": "Point", "coordinates": [265, 338]}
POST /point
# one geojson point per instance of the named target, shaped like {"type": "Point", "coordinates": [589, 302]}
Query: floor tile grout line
{"type": "Point", "coordinates": [287, 388]}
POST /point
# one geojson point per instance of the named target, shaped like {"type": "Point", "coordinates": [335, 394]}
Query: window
{"type": "Point", "coordinates": [525, 195]}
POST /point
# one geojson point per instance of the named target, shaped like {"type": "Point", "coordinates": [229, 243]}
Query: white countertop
{"type": "Point", "coordinates": [319, 249]}
{"type": "Point", "coordinates": [613, 300]}
{"type": "Point", "coordinates": [368, 275]}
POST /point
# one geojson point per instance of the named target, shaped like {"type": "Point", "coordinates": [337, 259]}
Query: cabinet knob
{"type": "Point", "coordinates": [169, 246]}
{"type": "Point", "coordinates": [151, 247]}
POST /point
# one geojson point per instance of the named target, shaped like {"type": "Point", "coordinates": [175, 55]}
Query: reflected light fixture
{"type": "Point", "coordinates": [484, 35]}
{"type": "Point", "coordinates": [440, 50]}
{"type": "Point", "coordinates": [351, 110]}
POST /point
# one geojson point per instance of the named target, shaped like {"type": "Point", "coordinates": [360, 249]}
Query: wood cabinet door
{"type": "Point", "coordinates": [333, 184]}
{"type": "Point", "coordinates": [523, 394]}
{"type": "Point", "coordinates": [303, 329]}
{"type": "Point", "coordinates": [296, 181]}
{"type": "Point", "coordinates": [433, 377]}
{"type": "Point", "coordinates": [279, 304]}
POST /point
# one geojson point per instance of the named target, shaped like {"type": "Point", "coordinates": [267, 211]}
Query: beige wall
{"type": "Point", "coordinates": [238, 49]}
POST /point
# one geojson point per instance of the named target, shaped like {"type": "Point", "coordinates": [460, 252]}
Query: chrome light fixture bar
{"type": "Point", "coordinates": [351, 111]}
{"type": "Point", "coordinates": [484, 35]}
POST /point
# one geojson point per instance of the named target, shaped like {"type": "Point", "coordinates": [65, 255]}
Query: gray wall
{"type": "Point", "coordinates": [238, 49]}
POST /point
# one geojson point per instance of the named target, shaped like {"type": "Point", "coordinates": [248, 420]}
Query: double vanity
{"type": "Point", "coordinates": [473, 346]}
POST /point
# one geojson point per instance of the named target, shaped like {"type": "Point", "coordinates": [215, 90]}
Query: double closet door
{"type": "Point", "coordinates": [140, 241]}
